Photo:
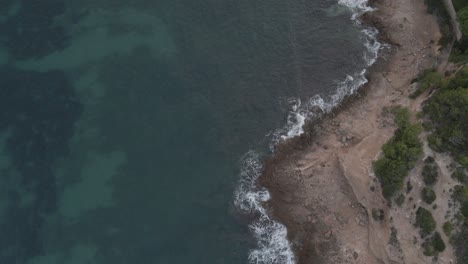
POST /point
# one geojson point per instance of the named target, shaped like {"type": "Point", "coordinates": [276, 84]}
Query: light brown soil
{"type": "Point", "coordinates": [323, 188]}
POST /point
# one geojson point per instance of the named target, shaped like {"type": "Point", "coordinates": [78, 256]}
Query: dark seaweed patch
{"type": "Point", "coordinates": [31, 32]}
{"type": "Point", "coordinates": [39, 110]}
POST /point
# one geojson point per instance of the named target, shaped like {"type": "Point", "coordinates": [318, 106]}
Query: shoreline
{"type": "Point", "coordinates": [320, 182]}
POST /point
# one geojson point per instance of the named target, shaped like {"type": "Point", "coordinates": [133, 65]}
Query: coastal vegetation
{"type": "Point", "coordinates": [425, 222]}
{"type": "Point", "coordinates": [448, 228]}
{"type": "Point", "coordinates": [459, 239]}
{"type": "Point", "coordinates": [446, 114]}
{"type": "Point", "coordinates": [457, 87]}
{"type": "Point", "coordinates": [430, 171]}
{"type": "Point", "coordinates": [399, 154]}
{"type": "Point", "coordinates": [434, 245]}
{"type": "Point", "coordinates": [459, 4]}
{"type": "Point", "coordinates": [428, 195]}
{"type": "Point", "coordinates": [448, 111]}
{"type": "Point", "coordinates": [460, 175]}
{"type": "Point", "coordinates": [400, 199]}
{"type": "Point", "coordinates": [378, 214]}
{"type": "Point", "coordinates": [429, 78]}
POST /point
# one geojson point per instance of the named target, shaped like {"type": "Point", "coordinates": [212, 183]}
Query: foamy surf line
{"type": "Point", "coordinates": [317, 106]}
{"type": "Point", "coordinates": [273, 246]}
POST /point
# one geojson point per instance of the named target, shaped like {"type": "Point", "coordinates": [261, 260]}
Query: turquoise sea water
{"type": "Point", "coordinates": [123, 123]}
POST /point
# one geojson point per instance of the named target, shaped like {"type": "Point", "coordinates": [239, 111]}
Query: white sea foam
{"type": "Point", "coordinates": [317, 105]}
{"type": "Point", "coordinates": [357, 6]}
{"type": "Point", "coordinates": [273, 246]}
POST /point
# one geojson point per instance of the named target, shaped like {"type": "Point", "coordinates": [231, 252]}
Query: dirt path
{"type": "Point", "coordinates": [323, 187]}
{"type": "Point", "coordinates": [453, 18]}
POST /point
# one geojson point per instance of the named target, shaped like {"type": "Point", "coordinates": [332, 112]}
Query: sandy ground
{"type": "Point", "coordinates": [322, 184]}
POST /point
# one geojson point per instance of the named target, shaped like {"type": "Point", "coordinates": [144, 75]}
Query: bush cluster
{"type": "Point", "coordinates": [378, 214]}
{"type": "Point", "coordinates": [448, 228]}
{"type": "Point", "coordinates": [400, 199]}
{"type": "Point", "coordinates": [430, 172]}
{"type": "Point", "coordinates": [459, 4]}
{"type": "Point", "coordinates": [460, 195]}
{"type": "Point", "coordinates": [459, 242]}
{"type": "Point", "coordinates": [399, 154]}
{"type": "Point", "coordinates": [428, 79]}
{"type": "Point", "coordinates": [428, 195]}
{"type": "Point", "coordinates": [434, 245]}
{"type": "Point", "coordinates": [448, 112]}
{"type": "Point", "coordinates": [460, 175]}
{"type": "Point", "coordinates": [425, 222]}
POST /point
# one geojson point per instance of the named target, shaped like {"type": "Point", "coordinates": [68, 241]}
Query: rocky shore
{"type": "Point", "coordinates": [322, 183]}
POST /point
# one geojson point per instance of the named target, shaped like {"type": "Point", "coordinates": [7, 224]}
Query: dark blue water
{"type": "Point", "coordinates": [122, 123]}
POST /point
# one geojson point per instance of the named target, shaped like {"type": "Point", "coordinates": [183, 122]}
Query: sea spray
{"type": "Point", "coordinates": [273, 246]}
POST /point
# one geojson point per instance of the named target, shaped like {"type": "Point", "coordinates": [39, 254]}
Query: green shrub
{"type": "Point", "coordinates": [464, 209]}
{"type": "Point", "coordinates": [394, 239]}
{"type": "Point", "coordinates": [460, 80]}
{"type": "Point", "coordinates": [425, 222]}
{"type": "Point", "coordinates": [438, 242]}
{"type": "Point", "coordinates": [460, 193]}
{"type": "Point", "coordinates": [399, 154]}
{"type": "Point", "coordinates": [378, 214]}
{"type": "Point", "coordinates": [428, 195]}
{"type": "Point", "coordinates": [429, 160]}
{"type": "Point", "coordinates": [428, 247]}
{"type": "Point", "coordinates": [460, 245]}
{"type": "Point", "coordinates": [460, 175]}
{"type": "Point", "coordinates": [401, 116]}
{"type": "Point", "coordinates": [430, 174]}
{"type": "Point", "coordinates": [448, 228]}
{"type": "Point", "coordinates": [459, 53]}
{"type": "Point", "coordinates": [409, 187]}
{"type": "Point", "coordinates": [463, 160]}
{"type": "Point", "coordinates": [435, 142]}
{"type": "Point", "coordinates": [448, 111]}
{"type": "Point", "coordinates": [459, 4]}
{"type": "Point", "coordinates": [462, 16]}
{"type": "Point", "coordinates": [433, 245]}
{"type": "Point", "coordinates": [430, 78]}
{"type": "Point", "coordinates": [400, 199]}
